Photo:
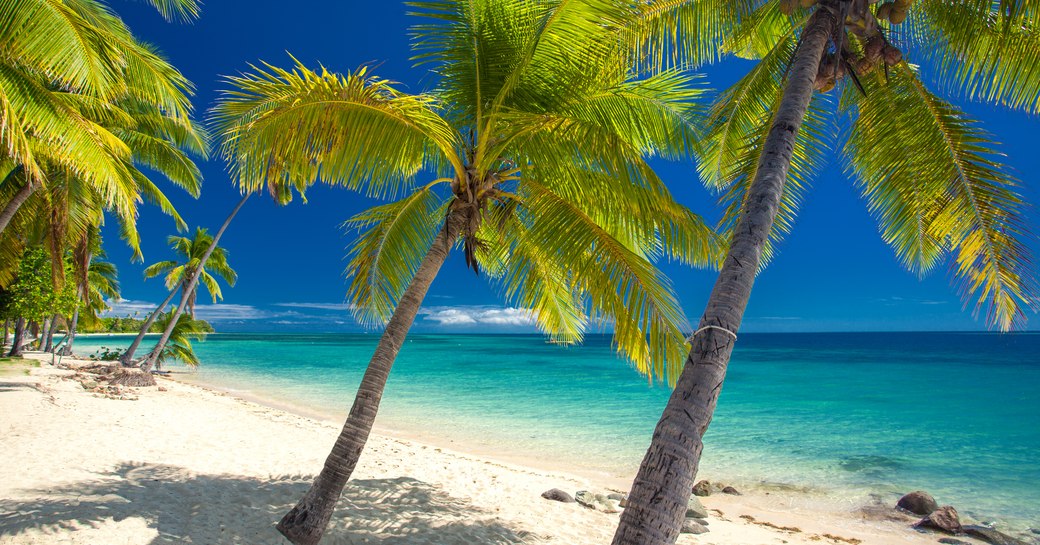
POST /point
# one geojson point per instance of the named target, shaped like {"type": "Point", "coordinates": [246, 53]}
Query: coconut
{"type": "Point", "coordinates": [864, 67]}
{"type": "Point", "coordinates": [903, 5]}
{"type": "Point", "coordinates": [884, 11]}
{"type": "Point", "coordinates": [872, 50]}
{"type": "Point", "coordinates": [893, 55]}
{"type": "Point", "coordinates": [897, 16]}
{"type": "Point", "coordinates": [808, 3]}
{"type": "Point", "coordinates": [787, 6]}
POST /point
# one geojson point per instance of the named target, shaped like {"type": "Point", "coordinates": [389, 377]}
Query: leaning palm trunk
{"type": "Point", "coordinates": [189, 288]}
{"type": "Point", "coordinates": [19, 334]}
{"type": "Point", "coordinates": [658, 500]}
{"type": "Point", "coordinates": [16, 202]}
{"type": "Point", "coordinates": [306, 522]}
{"type": "Point", "coordinates": [128, 356]}
{"type": "Point", "coordinates": [48, 333]}
{"type": "Point", "coordinates": [67, 349]}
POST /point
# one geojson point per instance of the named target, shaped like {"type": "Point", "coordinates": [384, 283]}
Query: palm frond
{"type": "Point", "coordinates": [392, 240]}
{"type": "Point", "coordinates": [981, 50]}
{"type": "Point", "coordinates": [620, 285]}
{"type": "Point", "coordinates": [289, 128]}
{"type": "Point", "coordinates": [931, 176]}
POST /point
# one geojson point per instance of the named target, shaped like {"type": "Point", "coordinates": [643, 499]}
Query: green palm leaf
{"type": "Point", "coordinates": [947, 193]}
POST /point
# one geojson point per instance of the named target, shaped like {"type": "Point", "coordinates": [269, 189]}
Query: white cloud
{"type": "Point", "coordinates": [471, 315]}
{"type": "Point", "coordinates": [228, 311]}
{"type": "Point", "coordinates": [318, 306]}
{"type": "Point", "coordinates": [127, 307]}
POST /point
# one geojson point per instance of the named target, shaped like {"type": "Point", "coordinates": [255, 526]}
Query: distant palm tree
{"type": "Point", "coordinates": [928, 172]}
{"type": "Point", "coordinates": [198, 255]}
{"type": "Point", "coordinates": [179, 347]}
{"type": "Point", "coordinates": [539, 137]}
{"type": "Point", "coordinates": [99, 285]}
{"type": "Point", "coordinates": [190, 251]}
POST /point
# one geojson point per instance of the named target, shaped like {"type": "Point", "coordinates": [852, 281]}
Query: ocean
{"type": "Point", "coordinates": [846, 418]}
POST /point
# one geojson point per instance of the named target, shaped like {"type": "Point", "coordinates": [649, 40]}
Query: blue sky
{"type": "Point", "coordinates": [834, 273]}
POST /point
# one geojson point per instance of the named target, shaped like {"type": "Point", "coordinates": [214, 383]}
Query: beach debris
{"type": "Point", "coordinates": [731, 491]}
{"type": "Point", "coordinates": [597, 502]}
{"type": "Point", "coordinates": [691, 526]}
{"type": "Point", "coordinates": [918, 502]}
{"type": "Point", "coordinates": [131, 376]}
{"type": "Point", "coordinates": [989, 535]}
{"type": "Point", "coordinates": [944, 519]}
{"type": "Point", "coordinates": [767, 524]}
{"type": "Point", "coordinates": [694, 509]}
{"type": "Point", "coordinates": [555, 494]}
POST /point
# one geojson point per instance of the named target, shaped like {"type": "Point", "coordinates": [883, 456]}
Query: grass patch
{"type": "Point", "coordinates": [10, 366]}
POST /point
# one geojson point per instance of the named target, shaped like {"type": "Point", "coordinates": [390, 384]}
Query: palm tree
{"type": "Point", "coordinates": [200, 254]}
{"type": "Point", "coordinates": [538, 138]}
{"type": "Point", "coordinates": [71, 70]}
{"type": "Point", "coordinates": [926, 170]}
{"type": "Point", "coordinates": [190, 251]}
{"type": "Point", "coordinates": [97, 283]}
{"type": "Point", "coordinates": [185, 330]}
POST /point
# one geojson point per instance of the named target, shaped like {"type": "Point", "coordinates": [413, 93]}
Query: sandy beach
{"type": "Point", "coordinates": [181, 463]}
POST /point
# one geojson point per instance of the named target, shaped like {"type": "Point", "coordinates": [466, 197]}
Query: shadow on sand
{"type": "Point", "coordinates": [188, 508]}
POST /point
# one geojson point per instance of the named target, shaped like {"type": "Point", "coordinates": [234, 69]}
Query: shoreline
{"type": "Point", "coordinates": [187, 462]}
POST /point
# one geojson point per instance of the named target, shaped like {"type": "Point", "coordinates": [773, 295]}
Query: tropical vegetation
{"type": "Point", "coordinates": [84, 107]}
{"type": "Point", "coordinates": [536, 139]}
{"type": "Point", "coordinates": [928, 172]}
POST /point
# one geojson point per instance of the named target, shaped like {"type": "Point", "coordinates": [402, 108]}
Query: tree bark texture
{"type": "Point", "coordinates": [19, 334]}
{"type": "Point", "coordinates": [67, 349]}
{"type": "Point", "coordinates": [661, 490]}
{"type": "Point", "coordinates": [127, 358]}
{"type": "Point", "coordinates": [306, 522]}
{"type": "Point", "coordinates": [48, 333]}
{"type": "Point", "coordinates": [16, 202]}
{"type": "Point", "coordinates": [154, 355]}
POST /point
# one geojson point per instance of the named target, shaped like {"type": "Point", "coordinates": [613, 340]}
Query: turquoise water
{"type": "Point", "coordinates": [843, 415]}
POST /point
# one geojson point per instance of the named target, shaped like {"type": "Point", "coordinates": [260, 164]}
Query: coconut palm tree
{"type": "Point", "coordinates": [199, 255]}
{"type": "Point", "coordinates": [926, 170]}
{"type": "Point", "coordinates": [190, 251]}
{"type": "Point", "coordinates": [536, 140]}
{"type": "Point", "coordinates": [70, 70]}
{"type": "Point", "coordinates": [97, 283]}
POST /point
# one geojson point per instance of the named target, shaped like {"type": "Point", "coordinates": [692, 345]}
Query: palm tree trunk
{"type": "Point", "coordinates": [7, 330]}
{"type": "Point", "coordinates": [67, 349]}
{"type": "Point", "coordinates": [19, 333]}
{"type": "Point", "coordinates": [154, 355]}
{"type": "Point", "coordinates": [658, 500]}
{"type": "Point", "coordinates": [48, 333]}
{"type": "Point", "coordinates": [306, 522]}
{"type": "Point", "coordinates": [16, 202]}
{"type": "Point", "coordinates": [128, 356]}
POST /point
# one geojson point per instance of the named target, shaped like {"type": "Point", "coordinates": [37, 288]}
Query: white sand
{"type": "Point", "coordinates": [191, 465]}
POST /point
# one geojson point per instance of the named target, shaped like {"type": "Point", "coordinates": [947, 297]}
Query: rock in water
{"type": "Point", "coordinates": [918, 503]}
{"type": "Point", "coordinates": [990, 535]}
{"type": "Point", "coordinates": [702, 488]}
{"type": "Point", "coordinates": [694, 509]}
{"type": "Point", "coordinates": [731, 491]}
{"type": "Point", "coordinates": [944, 519]}
{"type": "Point", "coordinates": [556, 494]}
{"type": "Point", "coordinates": [690, 526]}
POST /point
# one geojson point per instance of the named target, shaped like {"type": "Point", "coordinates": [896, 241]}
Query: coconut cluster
{"type": "Point", "coordinates": [893, 12]}
{"type": "Point", "coordinates": [870, 51]}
